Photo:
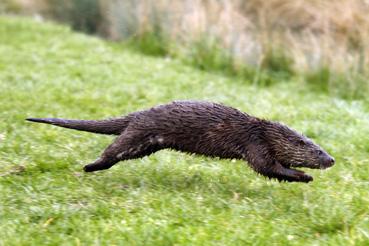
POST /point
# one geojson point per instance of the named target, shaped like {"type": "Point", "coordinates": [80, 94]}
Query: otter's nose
{"type": "Point", "coordinates": [329, 161]}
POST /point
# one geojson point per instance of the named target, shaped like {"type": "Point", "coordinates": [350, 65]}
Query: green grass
{"type": "Point", "coordinates": [167, 198]}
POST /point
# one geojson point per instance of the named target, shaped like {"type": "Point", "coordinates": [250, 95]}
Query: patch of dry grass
{"type": "Point", "coordinates": [311, 38]}
{"type": "Point", "coordinates": [315, 35]}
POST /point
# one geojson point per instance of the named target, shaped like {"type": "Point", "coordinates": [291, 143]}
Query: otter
{"type": "Point", "coordinates": [270, 148]}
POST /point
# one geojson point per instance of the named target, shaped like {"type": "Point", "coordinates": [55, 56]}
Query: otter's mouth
{"type": "Point", "coordinates": [322, 167]}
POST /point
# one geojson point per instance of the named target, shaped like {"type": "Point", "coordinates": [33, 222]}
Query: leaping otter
{"type": "Point", "coordinates": [209, 129]}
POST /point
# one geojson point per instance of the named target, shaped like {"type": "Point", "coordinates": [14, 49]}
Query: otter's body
{"type": "Point", "coordinates": [208, 129]}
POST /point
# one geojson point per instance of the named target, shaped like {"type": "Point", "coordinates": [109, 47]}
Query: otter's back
{"type": "Point", "coordinates": [186, 114]}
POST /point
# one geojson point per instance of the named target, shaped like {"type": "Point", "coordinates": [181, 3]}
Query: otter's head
{"type": "Point", "coordinates": [292, 149]}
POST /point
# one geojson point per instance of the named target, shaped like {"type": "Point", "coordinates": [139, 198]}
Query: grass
{"type": "Point", "coordinates": [168, 198]}
{"type": "Point", "coordinates": [320, 43]}
{"type": "Point", "coordinates": [287, 38]}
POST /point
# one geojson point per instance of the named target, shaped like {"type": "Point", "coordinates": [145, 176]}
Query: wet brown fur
{"type": "Point", "coordinates": [209, 129]}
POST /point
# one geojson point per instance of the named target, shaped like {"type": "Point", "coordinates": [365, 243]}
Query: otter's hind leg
{"type": "Point", "coordinates": [129, 145]}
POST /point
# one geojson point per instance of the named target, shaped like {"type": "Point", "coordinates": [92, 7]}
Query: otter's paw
{"type": "Point", "coordinates": [89, 168]}
{"type": "Point", "coordinates": [305, 178]}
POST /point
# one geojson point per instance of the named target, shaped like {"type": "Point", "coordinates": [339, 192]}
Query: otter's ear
{"type": "Point", "coordinates": [302, 142]}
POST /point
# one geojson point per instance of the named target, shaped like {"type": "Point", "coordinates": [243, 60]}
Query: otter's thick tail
{"type": "Point", "coordinates": [109, 126]}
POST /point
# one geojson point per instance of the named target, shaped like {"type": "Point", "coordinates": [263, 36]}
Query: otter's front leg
{"type": "Point", "coordinates": [264, 164]}
{"type": "Point", "coordinates": [277, 171]}
{"type": "Point", "coordinates": [286, 174]}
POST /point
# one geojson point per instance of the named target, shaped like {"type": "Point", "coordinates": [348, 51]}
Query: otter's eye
{"type": "Point", "coordinates": [320, 152]}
